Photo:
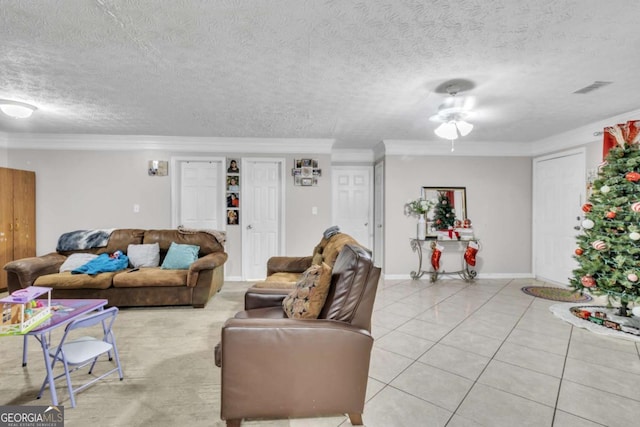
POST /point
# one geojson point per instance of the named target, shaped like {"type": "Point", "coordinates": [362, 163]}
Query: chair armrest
{"type": "Point", "coordinates": [264, 297]}
{"type": "Point", "coordinates": [279, 264]}
{"type": "Point", "coordinates": [275, 367]}
{"type": "Point", "coordinates": [23, 272]}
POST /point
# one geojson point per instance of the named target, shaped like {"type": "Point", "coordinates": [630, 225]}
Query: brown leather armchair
{"type": "Point", "coordinates": [276, 367]}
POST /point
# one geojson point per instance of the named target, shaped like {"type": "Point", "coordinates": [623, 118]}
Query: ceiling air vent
{"type": "Point", "coordinates": [593, 86]}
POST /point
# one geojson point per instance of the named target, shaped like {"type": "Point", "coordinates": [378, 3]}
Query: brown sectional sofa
{"type": "Point", "coordinates": [284, 271]}
{"type": "Point", "coordinates": [149, 286]}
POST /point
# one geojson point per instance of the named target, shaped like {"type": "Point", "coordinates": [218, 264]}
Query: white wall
{"type": "Point", "coordinates": [498, 203]}
{"type": "Point", "coordinates": [4, 154]}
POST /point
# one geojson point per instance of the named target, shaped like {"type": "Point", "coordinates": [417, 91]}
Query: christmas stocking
{"type": "Point", "coordinates": [435, 257]}
{"type": "Point", "coordinates": [470, 253]}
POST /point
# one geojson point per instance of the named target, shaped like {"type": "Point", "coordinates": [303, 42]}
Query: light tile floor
{"type": "Point", "coordinates": [486, 354]}
{"type": "Point", "coordinates": [446, 354]}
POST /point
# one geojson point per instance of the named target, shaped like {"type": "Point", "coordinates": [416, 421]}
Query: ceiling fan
{"type": "Point", "coordinates": [455, 110]}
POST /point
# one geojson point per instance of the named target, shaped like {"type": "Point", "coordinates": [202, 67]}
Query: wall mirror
{"type": "Point", "coordinates": [457, 199]}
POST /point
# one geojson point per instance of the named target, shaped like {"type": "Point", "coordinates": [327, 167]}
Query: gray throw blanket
{"type": "Point", "coordinates": [83, 239]}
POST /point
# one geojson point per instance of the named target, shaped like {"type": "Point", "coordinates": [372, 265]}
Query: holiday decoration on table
{"type": "Point", "coordinates": [435, 256]}
{"type": "Point", "coordinates": [443, 214]}
{"type": "Point", "coordinates": [608, 250]}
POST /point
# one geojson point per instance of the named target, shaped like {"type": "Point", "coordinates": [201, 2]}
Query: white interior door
{"type": "Point", "coordinates": [378, 215]}
{"type": "Point", "coordinates": [352, 202]}
{"type": "Point", "coordinates": [262, 214]}
{"type": "Point", "coordinates": [198, 193]}
{"type": "Point", "coordinates": [559, 187]}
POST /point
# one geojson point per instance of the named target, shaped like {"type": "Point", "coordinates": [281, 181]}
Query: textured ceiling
{"type": "Point", "coordinates": [356, 71]}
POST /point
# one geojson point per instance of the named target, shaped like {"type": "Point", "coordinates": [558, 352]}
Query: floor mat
{"type": "Point", "coordinates": [556, 294]}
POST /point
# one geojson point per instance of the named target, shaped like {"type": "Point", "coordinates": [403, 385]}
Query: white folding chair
{"type": "Point", "coordinates": [79, 352]}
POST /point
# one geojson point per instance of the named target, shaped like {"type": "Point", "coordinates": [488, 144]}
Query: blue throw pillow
{"type": "Point", "coordinates": [180, 257]}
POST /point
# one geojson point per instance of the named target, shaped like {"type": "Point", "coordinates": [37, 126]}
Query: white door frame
{"type": "Point", "coordinates": [535, 231]}
{"type": "Point", "coordinates": [174, 172]}
{"type": "Point", "coordinates": [244, 200]}
{"type": "Point", "coordinates": [378, 215]}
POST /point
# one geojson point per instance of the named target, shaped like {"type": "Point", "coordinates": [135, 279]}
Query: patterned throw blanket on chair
{"type": "Point", "coordinates": [84, 239]}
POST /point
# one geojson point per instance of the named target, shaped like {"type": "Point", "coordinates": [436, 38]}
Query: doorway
{"type": "Point", "coordinates": [198, 191]}
{"type": "Point", "coordinates": [262, 214]}
{"type": "Point", "coordinates": [559, 190]}
{"type": "Point", "coordinates": [353, 202]}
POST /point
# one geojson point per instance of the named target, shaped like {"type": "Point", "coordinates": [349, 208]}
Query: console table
{"type": "Point", "coordinates": [466, 273]}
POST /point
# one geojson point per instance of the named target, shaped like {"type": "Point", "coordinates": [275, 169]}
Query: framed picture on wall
{"type": "Point", "coordinates": [233, 167]}
{"type": "Point", "coordinates": [232, 217]}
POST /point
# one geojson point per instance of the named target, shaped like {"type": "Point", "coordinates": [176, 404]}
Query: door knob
{"type": "Point", "coordinates": [249, 227]}
{"type": "Point", "coordinates": [366, 224]}
{"type": "Point", "coordinates": [577, 227]}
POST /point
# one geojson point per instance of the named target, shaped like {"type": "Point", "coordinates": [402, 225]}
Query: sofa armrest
{"type": "Point", "coordinates": [207, 262]}
{"type": "Point", "coordinates": [275, 367]}
{"type": "Point", "coordinates": [264, 297]}
{"type": "Point", "coordinates": [23, 272]}
{"type": "Point", "coordinates": [279, 264]}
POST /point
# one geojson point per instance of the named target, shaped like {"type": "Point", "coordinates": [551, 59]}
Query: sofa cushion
{"type": "Point", "coordinates": [284, 276]}
{"type": "Point", "coordinates": [67, 280]}
{"type": "Point", "coordinates": [308, 297]}
{"type": "Point", "coordinates": [148, 277]}
{"type": "Point", "coordinates": [74, 261]}
{"type": "Point", "coordinates": [144, 255]}
{"type": "Point", "coordinates": [274, 285]}
{"type": "Point", "coordinates": [180, 256]}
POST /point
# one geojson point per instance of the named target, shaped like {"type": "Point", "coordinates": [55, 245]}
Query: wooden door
{"type": "Point", "coordinates": [24, 214]}
{"type": "Point", "coordinates": [6, 222]}
{"type": "Point", "coordinates": [17, 217]}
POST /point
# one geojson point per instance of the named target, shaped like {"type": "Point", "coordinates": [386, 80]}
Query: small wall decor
{"type": "Point", "coordinates": [306, 172]}
{"type": "Point", "coordinates": [233, 192]}
{"type": "Point", "coordinates": [158, 167]}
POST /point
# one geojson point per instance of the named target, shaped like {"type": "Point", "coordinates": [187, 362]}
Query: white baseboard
{"type": "Point", "coordinates": [233, 279]}
{"type": "Point", "coordinates": [455, 276]}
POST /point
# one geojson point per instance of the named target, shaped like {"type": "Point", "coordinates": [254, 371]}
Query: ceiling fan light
{"type": "Point", "coordinates": [447, 130]}
{"type": "Point", "coordinates": [464, 127]}
{"type": "Point", "coordinates": [17, 110]}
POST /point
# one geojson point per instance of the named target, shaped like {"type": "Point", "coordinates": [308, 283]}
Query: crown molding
{"type": "Point", "coordinates": [352, 156]}
{"type": "Point", "coordinates": [580, 136]}
{"type": "Point", "coordinates": [461, 148]}
{"type": "Point", "coordinates": [166, 143]}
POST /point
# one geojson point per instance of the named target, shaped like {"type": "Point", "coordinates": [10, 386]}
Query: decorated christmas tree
{"type": "Point", "coordinates": [608, 250]}
{"type": "Point", "coordinates": [443, 214]}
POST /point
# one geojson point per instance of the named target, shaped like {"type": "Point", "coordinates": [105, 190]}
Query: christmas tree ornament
{"type": "Point", "coordinates": [579, 251]}
{"type": "Point", "coordinates": [435, 257]}
{"type": "Point", "coordinates": [599, 245]}
{"type": "Point", "coordinates": [634, 235]}
{"type": "Point", "coordinates": [632, 277]}
{"type": "Point", "coordinates": [605, 189]}
{"type": "Point", "coordinates": [611, 214]}
{"type": "Point", "coordinates": [632, 176]}
{"type": "Point", "coordinates": [588, 281]}
{"type": "Point", "coordinates": [635, 207]}
{"type": "Point", "coordinates": [587, 207]}
{"type": "Point", "coordinates": [470, 253]}
{"type": "Point", "coordinates": [587, 224]}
